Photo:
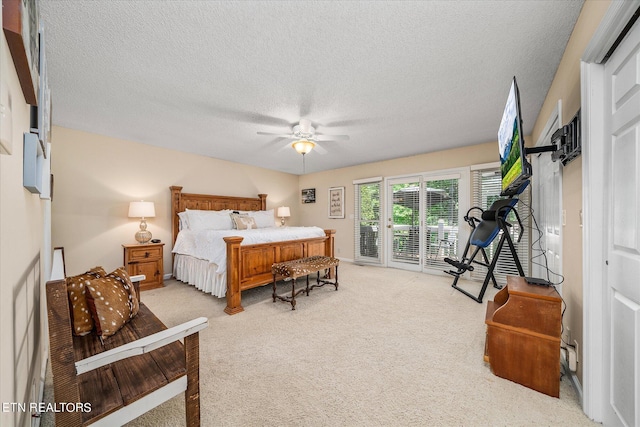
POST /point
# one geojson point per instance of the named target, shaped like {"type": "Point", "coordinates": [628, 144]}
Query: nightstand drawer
{"type": "Point", "coordinates": [144, 253]}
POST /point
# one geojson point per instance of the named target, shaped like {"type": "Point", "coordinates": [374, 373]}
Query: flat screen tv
{"type": "Point", "coordinates": [514, 167]}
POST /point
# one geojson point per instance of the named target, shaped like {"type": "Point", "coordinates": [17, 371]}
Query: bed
{"type": "Point", "coordinates": [247, 260]}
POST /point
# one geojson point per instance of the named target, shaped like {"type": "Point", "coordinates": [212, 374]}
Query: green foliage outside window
{"type": "Point", "coordinates": [370, 202]}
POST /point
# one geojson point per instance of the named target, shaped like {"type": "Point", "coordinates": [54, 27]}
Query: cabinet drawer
{"type": "Point", "coordinates": [141, 254]}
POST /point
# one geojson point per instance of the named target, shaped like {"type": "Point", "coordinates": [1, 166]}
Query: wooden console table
{"type": "Point", "coordinates": [524, 325]}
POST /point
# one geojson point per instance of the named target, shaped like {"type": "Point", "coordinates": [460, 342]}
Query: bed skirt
{"type": "Point", "coordinates": [201, 274]}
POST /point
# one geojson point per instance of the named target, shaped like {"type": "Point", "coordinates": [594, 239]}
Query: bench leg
{"type": "Point", "coordinates": [192, 394]}
{"type": "Point", "coordinates": [274, 288]}
{"type": "Point", "coordinates": [293, 293]}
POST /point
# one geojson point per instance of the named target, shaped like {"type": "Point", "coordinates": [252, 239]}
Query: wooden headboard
{"type": "Point", "coordinates": [181, 201]}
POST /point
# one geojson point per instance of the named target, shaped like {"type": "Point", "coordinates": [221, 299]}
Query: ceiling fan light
{"type": "Point", "coordinates": [303, 146]}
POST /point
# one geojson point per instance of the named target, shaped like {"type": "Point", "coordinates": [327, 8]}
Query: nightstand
{"type": "Point", "coordinates": [145, 259]}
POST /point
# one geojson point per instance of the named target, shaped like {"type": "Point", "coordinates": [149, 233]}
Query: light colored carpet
{"type": "Point", "coordinates": [389, 348]}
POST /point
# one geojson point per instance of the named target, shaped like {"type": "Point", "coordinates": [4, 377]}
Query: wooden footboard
{"type": "Point", "coordinates": [250, 266]}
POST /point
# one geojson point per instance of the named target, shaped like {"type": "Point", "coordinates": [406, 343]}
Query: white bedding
{"type": "Point", "coordinates": [209, 244]}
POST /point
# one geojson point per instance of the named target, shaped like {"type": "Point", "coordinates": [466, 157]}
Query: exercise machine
{"type": "Point", "coordinates": [485, 229]}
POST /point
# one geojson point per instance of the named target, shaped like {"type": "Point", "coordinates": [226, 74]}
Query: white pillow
{"type": "Point", "coordinates": [263, 219]}
{"type": "Point", "coordinates": [183, 221]}
{"type": "Point", "coordinates": [209, 220]}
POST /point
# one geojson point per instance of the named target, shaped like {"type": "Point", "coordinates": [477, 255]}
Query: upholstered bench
{"type": "Point", "coordinates": [303, 267]}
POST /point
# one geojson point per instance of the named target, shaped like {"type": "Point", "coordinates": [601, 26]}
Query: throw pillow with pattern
{"type": "Point", "coordinates": [81, 320]}
{"type": "Point", "coordinates": [243, 222]}
{"type": "Point", "coordinates": [112, 301]}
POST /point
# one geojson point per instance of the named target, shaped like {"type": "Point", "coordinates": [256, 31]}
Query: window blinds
{"type": "Point", "coordinates": [441, 222]}
{"type": "Point", "coordinates": [368, 236]}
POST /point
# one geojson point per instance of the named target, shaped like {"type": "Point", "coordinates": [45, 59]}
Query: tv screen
{"type": "Point", "coordinates": [514, 167]}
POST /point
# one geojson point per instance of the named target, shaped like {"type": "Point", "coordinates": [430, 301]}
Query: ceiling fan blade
{"type": "Point", "coordinates": [319, 149]}
{"type": "Point", "coordinates": [352, 122]}
{"type": "Point", "coordinates": [276, 141]}
{"type": "Point", "coordinates": [242, 116]}
{"type": "Point", "coordinates": [286, 147]}
{"type": "Point", "coordinates": [323, 137]}
{"type": "Point", "coordinates": [283, 135]}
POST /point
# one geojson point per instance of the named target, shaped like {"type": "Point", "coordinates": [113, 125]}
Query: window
{"type": "Point", "coordinates": [368, 243]}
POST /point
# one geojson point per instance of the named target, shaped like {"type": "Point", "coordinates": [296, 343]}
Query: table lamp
{"type": "Point", "coordinates": [142, 210]}
{"type": "Point", "coordinates": [283, 212]}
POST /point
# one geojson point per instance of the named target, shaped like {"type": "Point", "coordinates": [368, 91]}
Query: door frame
{"type": "Point", "coordinates": [595, 237]}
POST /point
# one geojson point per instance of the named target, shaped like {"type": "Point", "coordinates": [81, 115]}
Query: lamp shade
{"type": "Point", "coordinates": [284, 212]}
{"type": "Point", "coordinates": [142, 209]}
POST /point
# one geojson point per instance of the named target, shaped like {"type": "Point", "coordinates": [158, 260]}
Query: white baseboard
{"type": "Point", "coordinates": [167, 276]}
{"type": "Point", "coordinates": [572, 376]}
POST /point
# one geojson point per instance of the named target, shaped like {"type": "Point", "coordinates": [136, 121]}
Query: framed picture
{"type": "Point", "coordinates": [309, 195]}
{"type": "Point", "coordinates": [336, 202]}
{"type": "Point", "coordinates": [41, 114]}
{"type": "Point", "coordinates": [44, 97]}
{"type": "Point", "coordinates": [20, 22]}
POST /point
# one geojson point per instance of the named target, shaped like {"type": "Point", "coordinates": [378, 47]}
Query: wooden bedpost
{"type": "Point", "coordinates": [234, 294]}
{"type": "Point", "coordinates": [175, 208]}
{"type": "Point", "coordinates": [329, 248]}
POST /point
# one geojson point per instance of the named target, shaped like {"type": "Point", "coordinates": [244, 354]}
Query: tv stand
{"type": "Point", "coordinates": [524, 324]}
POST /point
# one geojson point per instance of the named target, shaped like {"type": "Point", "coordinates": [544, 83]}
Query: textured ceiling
{"type": "Point", "coordinates": [400, 78]}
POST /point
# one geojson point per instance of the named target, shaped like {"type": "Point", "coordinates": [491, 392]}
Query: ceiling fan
{"type": "Point", "coordinates": [306, 138]}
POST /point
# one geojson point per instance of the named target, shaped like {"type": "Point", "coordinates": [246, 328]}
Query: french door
{"type": "Point", "coordinates": [423, 218]}
{"type": "Point", "coordinates": [404, 225]}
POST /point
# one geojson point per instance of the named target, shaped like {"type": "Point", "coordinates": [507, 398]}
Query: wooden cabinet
{"type": "Point", "coordinates": [524, 324]}
{"type": "Point", "coordinates": [145, 259]}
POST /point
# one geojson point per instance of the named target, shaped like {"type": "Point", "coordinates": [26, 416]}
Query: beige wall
{"type": "Point", "coordinates": [317, 213]}
{"type": "Point", "coordinates": [566, 87]}
{"type": "Point", "coordinates": [96, 177]}
{"type": "Point", "coordinates": [22, 216]}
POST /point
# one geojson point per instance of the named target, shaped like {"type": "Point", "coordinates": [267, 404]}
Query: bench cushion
{"type": "Point", "coordinates": [303, 266]}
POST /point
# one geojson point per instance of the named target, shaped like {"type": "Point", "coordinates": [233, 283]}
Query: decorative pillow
{"type": "Point", "coordinates": [112, 301]}
{"type": "Point", "coordinates": [121, 275]}
{"type": "Point", "coordinates": [81, 320]}
{"type": "Point", "coordinates": [263, 219]}
{"type": "Point", "coordinates": [244, 222]}
{"type": "Point", "coordinates": [209, 220]}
